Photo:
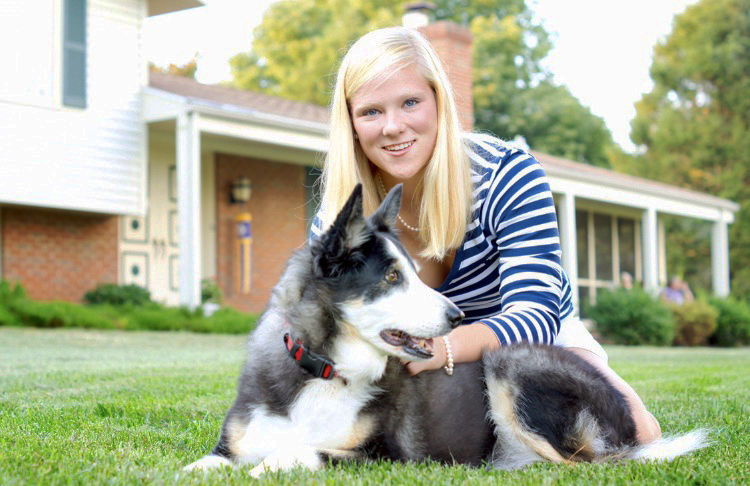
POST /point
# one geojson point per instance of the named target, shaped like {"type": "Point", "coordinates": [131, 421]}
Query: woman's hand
{"type": "Point", "coordinates": [468, 342]}
{"type": "Point", "coordinates": [438, 360]}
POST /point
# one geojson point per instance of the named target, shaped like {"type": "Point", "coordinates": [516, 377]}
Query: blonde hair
{"type": "Point", "coordinates": [446, 189]}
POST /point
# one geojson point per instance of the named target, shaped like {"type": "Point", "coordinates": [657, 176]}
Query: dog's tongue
{"type": "Point", "coordinates": [419, 347]}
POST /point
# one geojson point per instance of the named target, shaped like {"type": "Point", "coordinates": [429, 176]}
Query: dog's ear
{"type": "Point", "coordinates": [338, 244]}
{"type": "Point", "coordinates": [384, 218]}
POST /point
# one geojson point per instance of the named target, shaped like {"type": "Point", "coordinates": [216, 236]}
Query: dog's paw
{"type": "Point", "coordinates": [283, 461]}
{"type": "Point", "coordinates": [208, 462]}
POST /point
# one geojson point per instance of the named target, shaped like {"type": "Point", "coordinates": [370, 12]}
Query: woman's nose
{"type": "Point", "coordinates": [393, 124]}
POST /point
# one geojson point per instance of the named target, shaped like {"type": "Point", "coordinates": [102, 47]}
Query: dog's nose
{"type": "Point", "coordinates": [455, 316]}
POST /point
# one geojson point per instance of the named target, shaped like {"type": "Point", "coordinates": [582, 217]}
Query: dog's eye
{"type": "Point", "coordinates": [392, 276]}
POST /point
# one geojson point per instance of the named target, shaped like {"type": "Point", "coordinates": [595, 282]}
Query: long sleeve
{"type": "Point", "coordinates": [519, 214]}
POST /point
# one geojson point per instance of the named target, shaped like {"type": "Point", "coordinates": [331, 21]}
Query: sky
{"type": "Point", "coordinates": [602, 48]}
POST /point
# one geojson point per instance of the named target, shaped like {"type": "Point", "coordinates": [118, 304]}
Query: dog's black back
{"type": "Point", "coordinates": [446, 418]}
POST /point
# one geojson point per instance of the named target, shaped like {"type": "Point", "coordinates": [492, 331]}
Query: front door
{"type": "Point", "coordinates": [149, 247]}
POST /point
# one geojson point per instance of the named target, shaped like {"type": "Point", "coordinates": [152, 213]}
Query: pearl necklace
{"type": "Point", "coordinates": [382, 192]}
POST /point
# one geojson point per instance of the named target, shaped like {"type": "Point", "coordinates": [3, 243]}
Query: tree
{"type": "Point", "coordinates": [554, 121]}
{"type": "Point", "coordinates": [300, 43]}
{"type": "Point", "coordinates": [187, 70]}
{"type": "Point", "coordinates": [695, 122]}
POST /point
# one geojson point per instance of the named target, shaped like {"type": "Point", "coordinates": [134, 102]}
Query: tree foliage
{"type": "Point", "coordinates": [300, 43]}
{"type": "Point", "coordinates": [695, 122]}
{"type": "Point", "coordinates": [187, 70]}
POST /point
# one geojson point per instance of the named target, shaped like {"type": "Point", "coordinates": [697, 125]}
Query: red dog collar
{"type": "Point", "coordinates": [317, 365]}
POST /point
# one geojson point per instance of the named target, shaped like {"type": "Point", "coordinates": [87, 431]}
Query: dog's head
{"type": "Point", "coordinates": [374, 283]}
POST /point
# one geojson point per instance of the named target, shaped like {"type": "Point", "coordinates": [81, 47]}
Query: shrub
{"type": "Point", "coordinates": [10, 292]}
{"type": "Point", "coordinates": [732, 323]}
{"type": "Point", "coordinates": [210, 292]}
{"type": "Point", "coordinates": [124, 308]}
{"type": "Point", "coordinates": [7, 317]}
{"type": "Point", "coordinates": [632, 316]}
{"type": "Point", "coordinates": [694, 323]}
{"type": "Point", "coordinates": [226, 320]}
{"type": "Point", "coordinates": [57, 314]}
{"type": "Point", "coordinates": [118, 295]}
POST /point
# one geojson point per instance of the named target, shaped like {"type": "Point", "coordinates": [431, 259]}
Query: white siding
{"type": "Point", "coordinates": [89, 159]}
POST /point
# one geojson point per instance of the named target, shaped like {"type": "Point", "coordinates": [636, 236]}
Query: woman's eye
{"type": "Point", "coordinates": [370, 112]}
{"type": "Point", "coordinates": [392, 276]}
{"type": "Point", "coordinates": [411, 102]}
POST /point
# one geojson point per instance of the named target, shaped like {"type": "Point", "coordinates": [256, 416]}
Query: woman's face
{"type": "Point", "coordinates": [396, 123]}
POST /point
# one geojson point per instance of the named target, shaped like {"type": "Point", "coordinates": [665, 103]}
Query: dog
{"type": "Point", "coordinates": [324, 378]}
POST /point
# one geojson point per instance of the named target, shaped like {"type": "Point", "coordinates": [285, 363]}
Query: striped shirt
{"type": "Point", "coordinates": [507, 273]}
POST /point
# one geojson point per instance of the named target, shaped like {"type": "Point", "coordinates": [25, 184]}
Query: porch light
{"type": "Point", "coordinates": [241, 190]}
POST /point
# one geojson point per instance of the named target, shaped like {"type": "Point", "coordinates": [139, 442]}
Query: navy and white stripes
{"type": "Point", "coordinates": [507, 274]}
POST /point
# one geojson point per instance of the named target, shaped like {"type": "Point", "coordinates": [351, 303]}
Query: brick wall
{"type": "Point", "coordinates": [277, 206]}
{"type": "Point", "coordinates": [452, 43]}
{"type": "Point", "coordinates": [58, 254]}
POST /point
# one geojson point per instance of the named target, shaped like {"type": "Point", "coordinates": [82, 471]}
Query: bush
{"type": "Point", "coordinates": [694, 323]}
{"type": "Point", "coordinates": [118, 313]}
{"type": "Point", "coordinates": [118, 295]}
{"type": "Point", "coordinates": [732, 323]}
{"type": "Point", "coordinates": [10, 293]}
{"type": "Point", "coordinates": [226, 320]}
{"type": "Point", "coordinates": [632, 316]}
{"type": "Point", "coordinates": [210, 292]}
{"type": "Point", "coordinates": [7, 317]}
{"type": "Point", "coordinates": [57, 314]}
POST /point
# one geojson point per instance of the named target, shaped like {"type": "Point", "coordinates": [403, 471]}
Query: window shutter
{"type": "Point", "coordinates": [74, 53]}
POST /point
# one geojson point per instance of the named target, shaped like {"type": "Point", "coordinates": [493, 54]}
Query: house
{"type": "Point", "coordinates": [112, 175]}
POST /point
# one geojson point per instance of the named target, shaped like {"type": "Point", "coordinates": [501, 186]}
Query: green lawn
{"type": "Point", "coordinates": [88, 407]}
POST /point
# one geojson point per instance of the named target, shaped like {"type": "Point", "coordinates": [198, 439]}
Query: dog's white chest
{"type": "Point", "coordinates": [324, 416]}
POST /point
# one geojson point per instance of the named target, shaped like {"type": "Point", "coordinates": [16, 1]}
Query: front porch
{"type": "Point", "coordinates": [609, 223]}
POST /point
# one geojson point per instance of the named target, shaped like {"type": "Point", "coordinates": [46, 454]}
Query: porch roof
{"type": "Point", "coordinates": [158, 7]}
{"type": "Point", "coordinates": [248, 107]}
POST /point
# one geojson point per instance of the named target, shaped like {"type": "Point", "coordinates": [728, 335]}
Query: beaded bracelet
{"type": "Point", "coordinates": [448, 356]}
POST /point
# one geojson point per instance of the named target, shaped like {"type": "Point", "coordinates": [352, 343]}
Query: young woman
{"type": "Point", "coordinates": [477, 215]}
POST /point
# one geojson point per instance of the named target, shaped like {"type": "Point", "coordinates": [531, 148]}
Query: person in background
{"type": "Point", "coordinates": [677, 292]}
{"type": "Point", "coordinates": [626, 280]}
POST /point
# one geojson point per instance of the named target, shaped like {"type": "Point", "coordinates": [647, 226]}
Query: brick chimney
{"type": "Point", "coordinates": [452, 43]}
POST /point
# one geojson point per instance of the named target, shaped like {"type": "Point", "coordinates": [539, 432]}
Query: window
{"type": "Point", "coordinates": [626, 239]}
{"type": "Point", "coordinates": [312, 194]}
{"type": "Point", "coordinates": [74, 54]}
{"type": "Point", "coordinates": [607, 246]}
{"type": "Point", "coordinates": [603, 246]}
{"type": "Point", "coordinates": [582, 243]}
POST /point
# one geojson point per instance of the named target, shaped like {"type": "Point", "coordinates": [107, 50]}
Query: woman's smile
{"type": "Point", "coordinates": [395, 120]}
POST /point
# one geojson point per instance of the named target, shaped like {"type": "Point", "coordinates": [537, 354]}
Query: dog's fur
{"type": "Point", "coordinates": [343, 296]}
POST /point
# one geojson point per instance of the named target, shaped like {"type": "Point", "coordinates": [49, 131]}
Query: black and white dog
{"type": "Point", "coordinates": [324, 380]}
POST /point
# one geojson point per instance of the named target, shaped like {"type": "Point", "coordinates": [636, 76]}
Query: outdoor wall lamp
{"type": "Point", "coordinates": [241, 190]}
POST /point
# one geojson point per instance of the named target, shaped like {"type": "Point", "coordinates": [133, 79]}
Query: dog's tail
{"type": "Point", "coordinates": [667, 448]}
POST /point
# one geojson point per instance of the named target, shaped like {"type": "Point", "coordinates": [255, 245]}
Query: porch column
{"type": "Point", "coordinates": [567, 226]}
{"type": "Point", "coordinates": [720, 257]}
{"type": "Point", "coordinates": [650, 251]}
{"type": "Point", "coordinates": [188, 207]}
{"type": "Point", "coordinates": [662, 258]}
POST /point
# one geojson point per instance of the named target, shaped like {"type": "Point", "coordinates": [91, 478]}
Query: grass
{"type": "Point", "coordinates": [112, 407]}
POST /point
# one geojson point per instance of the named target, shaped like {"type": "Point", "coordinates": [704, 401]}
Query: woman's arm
{"type": "Point", "coordinates": [467, 344]}
{"type": "Point", "coordinates": [520, 215]}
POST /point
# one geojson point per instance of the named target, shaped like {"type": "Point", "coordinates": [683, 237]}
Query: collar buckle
{"type": "Point", "coordinates": [315, 364]}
